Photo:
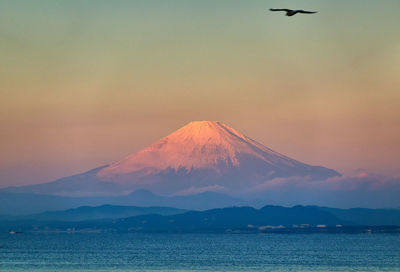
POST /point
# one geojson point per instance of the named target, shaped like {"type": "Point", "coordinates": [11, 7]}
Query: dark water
{"type": "Point", "coordinates": [199, 252]}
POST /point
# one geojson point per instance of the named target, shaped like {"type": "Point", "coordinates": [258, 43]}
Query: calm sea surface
{"type": "Point", "coordinates": [199, 252]}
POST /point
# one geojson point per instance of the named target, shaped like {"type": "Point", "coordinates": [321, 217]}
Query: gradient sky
{"type": "Point", "coordinates": [84, 83]}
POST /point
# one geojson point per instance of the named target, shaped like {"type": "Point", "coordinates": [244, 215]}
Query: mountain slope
{"type": "Point", "coordinates": [201, 156]}
{"type": "Point", "coordinates": [211, 148]}
{"type": "Point", "coordinates": [85, 184]}
{"type": "Point", "coordinates": [101, 212]}
{"type": "Point", "coordinates": [16, 204]}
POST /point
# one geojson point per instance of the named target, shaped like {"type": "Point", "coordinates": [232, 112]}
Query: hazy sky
{"type": "Point", "coordinates": [84, 83]}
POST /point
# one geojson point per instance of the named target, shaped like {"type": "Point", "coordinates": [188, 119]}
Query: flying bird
{"type": "Point", "coordinates": [291, 12]}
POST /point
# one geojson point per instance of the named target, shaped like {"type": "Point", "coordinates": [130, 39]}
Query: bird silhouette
{"type": "Point", "coordinates": [291, 12]}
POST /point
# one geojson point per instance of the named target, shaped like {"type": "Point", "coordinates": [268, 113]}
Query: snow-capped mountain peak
{"type": "Point", "coordinates": [200, 145]}
{"type": "Point", "coordinates": [199, 157]}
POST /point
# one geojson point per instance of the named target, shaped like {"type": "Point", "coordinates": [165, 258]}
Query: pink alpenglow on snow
{"type": "Point", "coordinates": [201, 156]}
{"type": "Point", "coordinates": [209, 147]}
{"type": "Point", "coordinates": [201, 144]}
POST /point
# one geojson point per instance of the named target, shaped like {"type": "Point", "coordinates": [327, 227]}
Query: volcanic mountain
{"type": "Point", "coordinates": [201, 156]}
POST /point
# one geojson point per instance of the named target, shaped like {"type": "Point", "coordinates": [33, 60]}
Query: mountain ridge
{"type": "Point", "coordinates": [206, 146]}
{"type": "Point", "coordinates": [106, 211]}
{"type": "Point", "coordinates": [200, 156]}
{"type": "Point", "coordinates": [245, 219]}
{"type": "Point", "coordinates": [20, 204]}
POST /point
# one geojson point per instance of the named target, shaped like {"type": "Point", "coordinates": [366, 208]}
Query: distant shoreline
{"type": "Point", "coordinates": [282, 230]}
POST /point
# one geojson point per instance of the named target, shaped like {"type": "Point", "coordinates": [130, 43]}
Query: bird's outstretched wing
{"type": "Point", "coordinates": [307, 12]}
{"type": "Point", "coordinates": [287, 10]}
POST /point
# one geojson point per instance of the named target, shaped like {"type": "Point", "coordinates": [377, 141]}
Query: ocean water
{"type": "Point", "coordinates": [199, 252]}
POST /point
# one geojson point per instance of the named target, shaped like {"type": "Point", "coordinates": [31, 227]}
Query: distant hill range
{"type": "Point", "coordinates": [163, 219]}
{"type": "Point", "coordinates": [85, 213]}
{"type": "Point", "coordinates": [25, 204]}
